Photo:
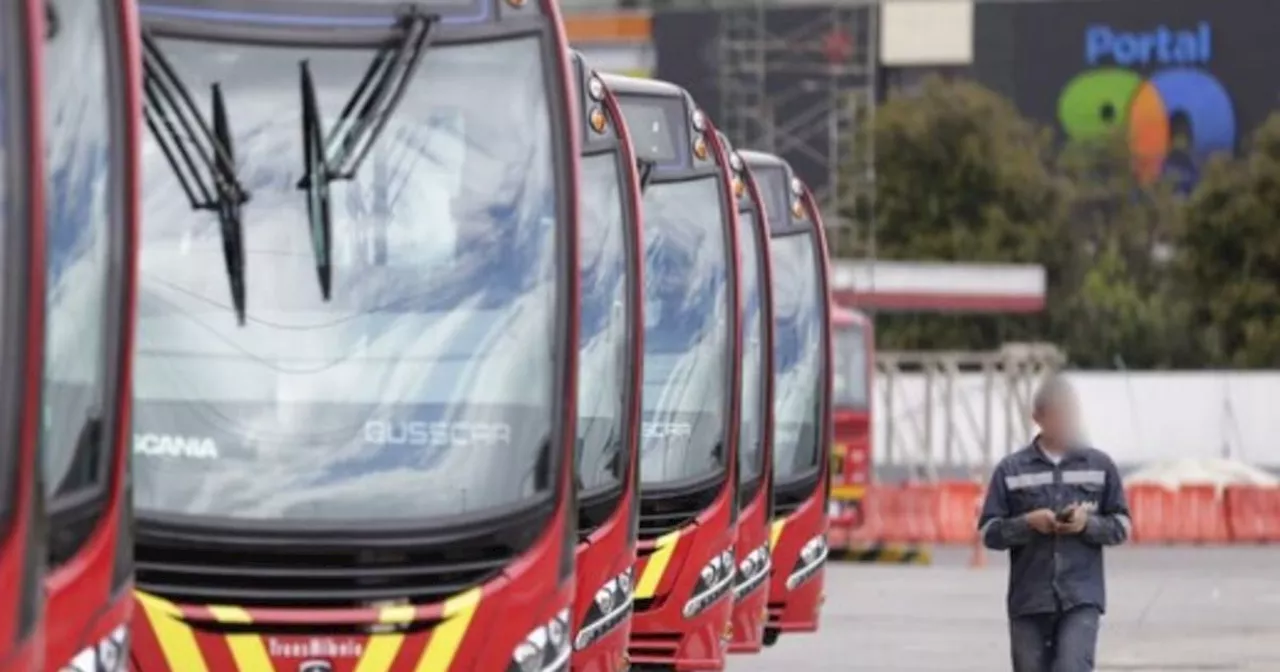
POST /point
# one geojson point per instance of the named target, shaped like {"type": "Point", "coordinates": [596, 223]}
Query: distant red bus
{"type": "Point", "coordinates": [611, 359]}
{"type": "Point", "coordinates": [692, 366]}
{"type": "Point", "coordinates": [802, 396]}
{"type": "Point", "coordinates": [755, 435]}
{"type": "Point", "coordinates": [853, 346]}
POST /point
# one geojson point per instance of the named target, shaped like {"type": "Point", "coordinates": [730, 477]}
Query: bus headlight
{"type": "Point", "coordinates": [752, 571]}
{"type": "Point", "coordinates": [111, 654]}
{"type": "Point", "coordinates": [546, 649]}
{"type": "Point", "coordinates": [610, 608]}
{"type": "Point", "coordinates": [812, 555]}
{"type": "Point", "coordinates": [595, 88]}
{"type": "Point", "coordinates": [713, 582]}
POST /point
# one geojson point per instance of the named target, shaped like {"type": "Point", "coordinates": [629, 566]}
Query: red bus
{"type": "Point", "coordinates": [853, 346]}
{"type": "Point", "coordinates": [692, 369]}
{"type": "Point", "coordinates": [22, 521]}
{"type": "Point", "coordinates": [802, 396]}
{"type": "Point", "coordinates": [610, 361]}
{"type": "Point", "coordinates": [89, 96]}
{"type": "Point", "coordinates": [355, 413]}
{"type": "Point", "coordinates": [755, 440]}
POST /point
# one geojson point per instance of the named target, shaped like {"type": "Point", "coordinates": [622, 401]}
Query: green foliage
{"type": "Point", "coordinates": [1111, 290]}
{"type": "Point", "coordinates": [960, 175]}
{"type": "Point", "coordinates": [1229, 255]}
{"type": "Point", "coordinates": [1135, 272]}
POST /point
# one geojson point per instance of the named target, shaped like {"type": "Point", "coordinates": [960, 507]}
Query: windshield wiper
{"type": "Point", "coordinates": [316, 182]}
{"type": "Point", "coordinates": [645, 169]}
{"type": "Point", "coordinates": [202, 159]}
{"type": "Point", "coordinates": [339, 154]}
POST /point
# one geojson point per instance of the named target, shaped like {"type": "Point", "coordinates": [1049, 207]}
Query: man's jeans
{"type": "Point", "coordinates": [1062, 642]}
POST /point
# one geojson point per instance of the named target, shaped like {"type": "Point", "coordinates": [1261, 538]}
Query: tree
{"type": "Point", "coordinates": [960, 176]}
{"type": "Point", "coordinates": [1229, 255]}
{"type": "Point", "coordinates": [1111, 292]}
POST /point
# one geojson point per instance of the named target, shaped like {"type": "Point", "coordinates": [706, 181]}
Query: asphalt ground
{"type": "Point", "coordinates": [1171, 610]}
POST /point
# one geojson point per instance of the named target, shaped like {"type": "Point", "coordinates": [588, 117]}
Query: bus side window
{"type": "Point", "coordinates": [74, 446]}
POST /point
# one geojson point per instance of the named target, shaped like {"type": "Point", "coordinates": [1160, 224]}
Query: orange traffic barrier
{"type": "Point", "coordinates": [979, 556]}
{"type": "Point", "coordinates": [946, 512]}
{"type": "Point", "coordinates": [920, 508]}
{"type": "Point", "coordinates": [1266, 526]}
{"type": "Point", "coordinates": [1148, 506]}
{"type": "Point", "coordinates": [1198, 516]}
{"type": "Point", "coordinates": [873, 526]}
{"type": "Point", "coordinates": [1271, 515]}
{"type": "Point", "coordinates": [909, 513]}
{"type": "Point", "coordinates": [1247, 513]}
{"type": "Point", "coordinates": [893, 514]}
{"type": "Point", "coordinates": [958, 506]}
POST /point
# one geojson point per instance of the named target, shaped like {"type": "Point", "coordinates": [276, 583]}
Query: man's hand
{"type": "Point", "coordinates": [1042, 521]}
{"type": "Point", "coordinates": [1075, 523]}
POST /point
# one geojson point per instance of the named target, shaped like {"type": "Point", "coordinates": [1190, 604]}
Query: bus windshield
{"type": "Point", "coordinates": [798, 304]}
{"type": "Point", "coordinates": [603, 338]}
{"type": "Point", "coordinates": [423, 387]}
{"type": "Point", "coordinates": [850, 380]}
{"type": "Point", "coordinates": [686, 331]}
{"type": "Point", "coordinates": [750, 438]}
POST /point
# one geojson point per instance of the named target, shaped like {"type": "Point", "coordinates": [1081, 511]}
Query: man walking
{"type": "Point", "coordinates": [1053, 505]}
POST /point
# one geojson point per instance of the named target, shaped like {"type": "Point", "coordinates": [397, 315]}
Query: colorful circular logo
{"type": "Point", "coordinates": [1176, 116]}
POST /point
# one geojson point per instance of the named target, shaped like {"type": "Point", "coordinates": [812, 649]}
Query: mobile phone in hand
{"type": "Point", "coordinates": [1064, 516]}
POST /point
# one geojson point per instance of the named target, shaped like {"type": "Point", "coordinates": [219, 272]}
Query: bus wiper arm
{"type": "Point", "coordinates": [338, 154]}
{"type": "Point", "coordinates": [378, 95]}
{"type": "Point", "coordinates": [645, 168]}
{"type": "Point", "coordinates": [316, 178]}
{"type": "Point", "coordinates": [202, 159]}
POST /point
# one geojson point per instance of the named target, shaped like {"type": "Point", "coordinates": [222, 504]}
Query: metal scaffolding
{"type": "Point", "coordinates": [953, 414]}
{"type": "Point", "coordinates": [797, 79]}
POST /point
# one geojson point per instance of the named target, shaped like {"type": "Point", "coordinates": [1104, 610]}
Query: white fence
{"type": "Point", "coordinates": [1137, 417]}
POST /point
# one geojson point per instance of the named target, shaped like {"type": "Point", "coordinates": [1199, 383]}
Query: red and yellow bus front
{"type": "Point", "coordinates": [355, 410]}
{"type": "Point", "coordinates": [802, 392]}
{"type": "Point", "coordinates": [610, 359]}
{"type": "Point", "coordinates": [755, 452]}
{"type": "Point", "coordinates": [688, 461]}
{"type": "Point", "coordinates": [89, 98]}
{"type": "Point", "coordinates": [22, 301]}
{"type": "Point", "coordinates": [853, 360]}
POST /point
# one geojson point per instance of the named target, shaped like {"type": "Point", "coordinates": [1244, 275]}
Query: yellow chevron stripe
{"type": "Point", "coordinates": [664, 548]}
{"type": "Point", "coordinates": [248, 650]}
{"type": "Point", "coordinates": [447, 637]}
{"type": "Point", "coordinates": [775, 532]}
{"type": "Point", "coordinates": [380, 652]}
{"type": "Point", "coordinates": [177, 640]}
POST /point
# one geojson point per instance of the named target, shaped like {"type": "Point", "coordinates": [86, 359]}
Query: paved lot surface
{"type": "Point", "coordinates": [1172, 610]}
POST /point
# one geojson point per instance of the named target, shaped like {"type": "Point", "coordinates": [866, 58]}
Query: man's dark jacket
{"type": "Point", "coordinates": [1051, 573]}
